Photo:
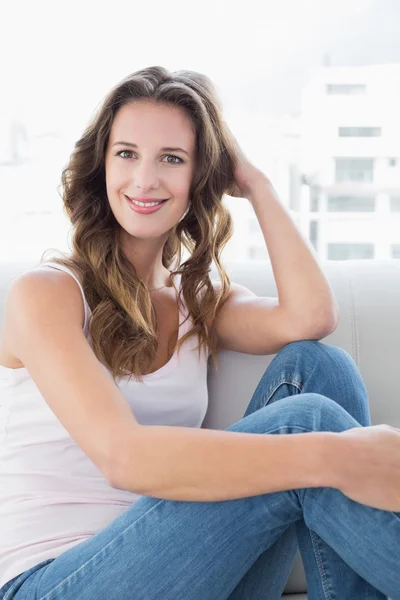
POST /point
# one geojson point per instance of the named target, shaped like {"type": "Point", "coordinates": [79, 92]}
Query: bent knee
{"type": "Point", "coordinates": [309, 411]}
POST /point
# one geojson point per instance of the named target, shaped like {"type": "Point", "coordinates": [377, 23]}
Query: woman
{"type": "Point", "coordinates": [103, 499]}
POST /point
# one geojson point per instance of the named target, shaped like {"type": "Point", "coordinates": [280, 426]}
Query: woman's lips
{"type": "Point", "coordinates": [144, 210]}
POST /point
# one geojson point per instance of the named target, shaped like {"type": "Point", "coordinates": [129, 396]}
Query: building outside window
{"type": "Point", "coordinates": [354, 169]}
{"type": "Point", "coordinates": [346, 88]}
{"type": "Point", "coordinates": [360, 131]}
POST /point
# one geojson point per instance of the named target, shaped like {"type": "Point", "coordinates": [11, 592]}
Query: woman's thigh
{"type": "Point", "coordinates": [167, 550]}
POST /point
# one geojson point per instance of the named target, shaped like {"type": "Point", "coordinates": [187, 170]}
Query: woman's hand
{"type": "Point", "coordinates": [246, 174]}
{"type": "Point", "coordinates": [370, 471]}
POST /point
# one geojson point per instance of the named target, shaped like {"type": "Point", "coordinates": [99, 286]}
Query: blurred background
{"type": "Point", "coordinates": [310, 88]}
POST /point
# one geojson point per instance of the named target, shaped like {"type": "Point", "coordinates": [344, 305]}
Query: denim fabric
{"type": "Point", "coordinates": [244, 549]}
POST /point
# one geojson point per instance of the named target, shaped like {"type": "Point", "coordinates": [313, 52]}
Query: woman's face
{"type": "Point", "coordinates": [137, 165]}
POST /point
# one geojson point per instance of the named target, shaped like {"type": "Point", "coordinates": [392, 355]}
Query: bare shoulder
{"type": "Point", "coordinates": [32, 291]}
{"type": "Point", "coordinates": [39, 285]}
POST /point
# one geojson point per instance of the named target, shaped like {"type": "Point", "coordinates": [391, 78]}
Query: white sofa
{"type": "Point", "coordinates": [368, 293]}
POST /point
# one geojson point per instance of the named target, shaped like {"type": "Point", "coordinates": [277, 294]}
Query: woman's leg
{"type": "Point", "coordinates": [171, 550]}
{"type": "Point", "coordinates": [301, 367]}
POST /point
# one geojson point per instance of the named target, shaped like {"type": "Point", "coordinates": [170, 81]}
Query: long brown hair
{"type": "Point", "coordinates": [123, 321]}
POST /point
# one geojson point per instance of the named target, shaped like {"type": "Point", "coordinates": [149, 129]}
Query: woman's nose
{"type": "Point", "coordinates": [145, 175]}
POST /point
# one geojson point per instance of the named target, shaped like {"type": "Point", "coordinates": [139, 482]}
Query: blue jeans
{"type": "Point", "coordinates": [244, 549]}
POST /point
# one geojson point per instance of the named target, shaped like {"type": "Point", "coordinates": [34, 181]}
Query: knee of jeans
{"type": "Point", "coordinates": [323, 350]}
{"type": "Point", "coordinates": [309, 411]}
{"type": "Point", "coordinates": [324, 414]}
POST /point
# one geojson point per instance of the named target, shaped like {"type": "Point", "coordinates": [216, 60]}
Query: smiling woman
{"type": "Point", "coordinates": [109, 487]}
{"type": "Point", "coordinates": [156, 173]}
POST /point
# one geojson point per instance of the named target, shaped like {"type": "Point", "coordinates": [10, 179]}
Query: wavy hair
{"type": "Point", "coordinates": [123, 321]}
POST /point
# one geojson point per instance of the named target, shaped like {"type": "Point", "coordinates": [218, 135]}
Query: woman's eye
{"type": "Point", "coordinates": [119, 153]}
{"type": "Point", "coordinates": [167, 155]}
{"type": "Point", "coordinates": [177, 157]}
{"type": "Point", "coordinates": [124, 151]}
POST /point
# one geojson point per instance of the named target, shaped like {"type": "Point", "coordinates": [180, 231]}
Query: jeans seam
{"type": "Point", "coordinates": [320, 564]}
{"type": "Point", "coordinates": [281, 382]}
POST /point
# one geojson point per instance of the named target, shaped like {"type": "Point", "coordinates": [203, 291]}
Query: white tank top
{"type": "Point", "coordinates": [52, 496]}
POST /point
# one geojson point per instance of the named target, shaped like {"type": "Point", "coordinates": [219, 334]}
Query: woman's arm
{"type": "Point", "coordinates": [184, 463]}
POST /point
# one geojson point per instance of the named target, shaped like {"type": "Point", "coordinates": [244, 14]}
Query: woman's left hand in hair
{"type": "Point", "coordinates": [246, 174]}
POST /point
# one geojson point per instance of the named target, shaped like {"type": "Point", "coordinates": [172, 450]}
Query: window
{"type": "Point", "coordinates": [313, 233]}
{"type": "Point", "coordinates": [360, 131]}
{"type": "Point", "coordinates": [354, 169]}
{"type": "Point", "coordinates": [351, 204]}
{"type": "Point", "coordinates": [350, 251]}
{"type": "Point", "coordinates": [395, 204]}
{"type": "Point", "coordinates": [314, 199]}
{"type": "Point", "coordinates": [327, 138]}
{"type": "Point", "coordinates": [346, 88]}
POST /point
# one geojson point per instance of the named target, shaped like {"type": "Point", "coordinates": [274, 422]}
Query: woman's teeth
{"type": "Point", "coordinates": [147, 203]}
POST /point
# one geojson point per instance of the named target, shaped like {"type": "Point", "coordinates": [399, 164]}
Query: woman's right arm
{"type": "Point", "coordinates": [44, 316]}
{"type": "Point", "coordinates": [206, 465]}
{"type": "Point", "coordinates": [185, 463]}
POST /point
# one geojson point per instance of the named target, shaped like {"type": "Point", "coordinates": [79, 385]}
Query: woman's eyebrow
{"type": "Point", "coordinates": [165, 149]}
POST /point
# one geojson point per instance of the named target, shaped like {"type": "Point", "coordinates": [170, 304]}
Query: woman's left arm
{"type": "Point", "coordinates": [302, 286]}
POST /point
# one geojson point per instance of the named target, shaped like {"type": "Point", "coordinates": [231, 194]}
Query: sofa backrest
{"type": "Point", "coordinates": [368, 294]}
